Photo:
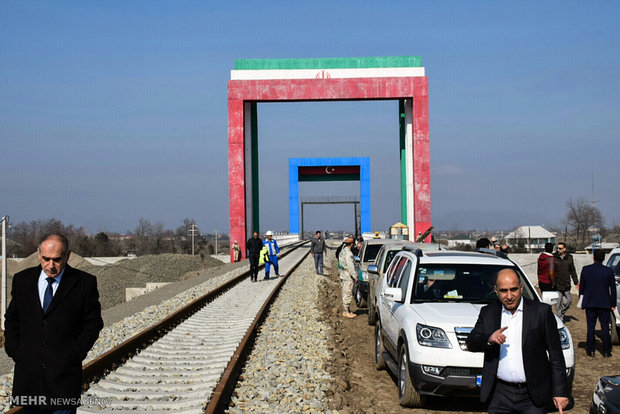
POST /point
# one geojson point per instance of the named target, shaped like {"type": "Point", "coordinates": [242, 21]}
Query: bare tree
{"type": "Point", "coordinates": [182, 235]}
{"type": "Point", "coordinates": [582, 215]}
{"type": "Point", "coordinates": [143, 233]}
{"type": "Point", "coordinates": [158, 238]}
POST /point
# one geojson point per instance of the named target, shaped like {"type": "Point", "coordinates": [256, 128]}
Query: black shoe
{"type": "Point", "coordinates": [607, 355]}
{"type": "Point", "coordinates": [590, 354]}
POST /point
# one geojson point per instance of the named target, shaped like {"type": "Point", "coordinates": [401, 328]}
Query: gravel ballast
{"type": "Point", "coordinates": [285, 371]}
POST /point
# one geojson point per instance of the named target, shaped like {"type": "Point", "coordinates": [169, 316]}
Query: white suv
{"type": "Point", "coordinates": [613, 261]}
{"type": "Point", "coordinates": [428, 305]}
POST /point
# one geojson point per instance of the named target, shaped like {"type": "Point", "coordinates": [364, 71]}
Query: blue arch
{"type": "Point", "coordinates": [293, 185]}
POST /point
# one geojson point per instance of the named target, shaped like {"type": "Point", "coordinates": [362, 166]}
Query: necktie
{"type": "Point", "coordinates": [49, 294]}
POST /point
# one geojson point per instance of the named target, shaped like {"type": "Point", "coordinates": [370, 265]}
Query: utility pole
{"type": "Point", "coordinates": [593, 199]}
{"type": "Point", "coordinates": [215, 241]}
{"type": "Point", "coordinates": [5, 222]}
{"type": "Point", "coordinates": [193, 230]}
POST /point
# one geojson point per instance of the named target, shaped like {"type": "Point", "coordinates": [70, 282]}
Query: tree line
{"type": "Point", "coordinates": [146, 238]}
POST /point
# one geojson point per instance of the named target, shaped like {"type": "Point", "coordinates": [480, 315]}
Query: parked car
{"type": "Point", "coordinates": [366, 256]}
{"type": "Point", "coordinates": [428, 304]}
{"type": "Point", "coordinates": [606, 397]}
{"type": "Point", "coordinates": [382, 261]}
{"type": "Point", "coordinates": [613, 261]}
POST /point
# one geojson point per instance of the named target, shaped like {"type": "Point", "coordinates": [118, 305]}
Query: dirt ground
{"type": "Point", "coordinates": [360, 388]}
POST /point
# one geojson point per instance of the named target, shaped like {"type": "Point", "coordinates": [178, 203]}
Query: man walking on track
{"type": "Point", "coordinates": [318, 248]}
{"type": "Point", "coordinates": [274, 252]}
{"type": "Point", "coordinates": [254, 245]}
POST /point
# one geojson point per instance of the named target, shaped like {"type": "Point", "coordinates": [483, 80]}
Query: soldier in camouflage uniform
{"type": "Point", "coordinates": [347, 275]}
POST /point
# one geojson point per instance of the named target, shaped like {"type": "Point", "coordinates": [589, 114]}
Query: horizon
{"type": "Point", "coordinates": [110, 113]}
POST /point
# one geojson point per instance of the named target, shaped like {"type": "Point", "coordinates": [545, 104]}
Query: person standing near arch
{"type": "Point", "coordinates": [318, 249]}
{"type": "Point", "coordinates": [273, 251]}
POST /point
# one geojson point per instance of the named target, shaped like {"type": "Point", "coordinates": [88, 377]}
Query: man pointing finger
{"type": "Point", "coordinates": [521, 375]}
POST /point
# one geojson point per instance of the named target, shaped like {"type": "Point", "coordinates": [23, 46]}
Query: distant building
{"type": "Point", "coordinates": [453, 243]}
{"type": "Point", "coordinates": [530, 237]}
{"type": "Point", "coordinates": [605, 246]}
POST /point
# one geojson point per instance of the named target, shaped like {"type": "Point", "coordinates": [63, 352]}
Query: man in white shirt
{"type": "Point", "coordinates": [521, 373]}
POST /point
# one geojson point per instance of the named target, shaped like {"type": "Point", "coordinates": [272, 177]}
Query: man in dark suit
{"type": "Point", "coordinates": [53, 320]}
{"type": "Point", "coordinates": [515, 336]}
{"type": "Point", "coordinates": [598, 287]}
{"type": "Point", "coordinates": [254, 245]}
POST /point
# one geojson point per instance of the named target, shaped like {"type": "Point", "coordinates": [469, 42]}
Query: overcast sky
{"type": "Point", "coordinates": [112, 110]}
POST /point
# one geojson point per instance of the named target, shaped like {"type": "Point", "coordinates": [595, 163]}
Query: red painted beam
{"type": "Point", "coordinates": [322, 89]}
{"type": "Point", "coordinates": [236, 174]}
{"type": "Point", "coordinates": [326, 90]}
{"type": "Point", "coordinates": [421, 158]}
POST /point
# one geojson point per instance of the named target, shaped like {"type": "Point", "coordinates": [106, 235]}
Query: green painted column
{"type": "Point", "coordinates": [254, 146]}
{"type": "Point", "coordinates": [403, 162]}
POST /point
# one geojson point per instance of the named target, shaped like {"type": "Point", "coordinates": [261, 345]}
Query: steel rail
{"type": "Point", "coordinates": [118, 355]}
{"type": "Point", "coordinates": [225, 387]}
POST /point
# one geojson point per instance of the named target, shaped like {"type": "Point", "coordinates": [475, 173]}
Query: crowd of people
{"type": "Point", "coordinates": [596, 287]}
{"type": "Point", "coordinates": [55, 311]}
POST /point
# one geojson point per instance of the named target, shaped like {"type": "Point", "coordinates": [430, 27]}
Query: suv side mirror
{"type": "Point", "coordinates": [550, 298]}
{"type": "Point", "coordinates": [373, 269]}
{"type": "Point", "coordinates": [395, 294]}
{"type": "Point", "coordinates": [356, 258]}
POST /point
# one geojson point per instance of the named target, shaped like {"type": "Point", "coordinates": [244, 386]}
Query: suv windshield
{"type": "Point", "coordinates": [460, 282]}
{"type": "Point", "coordinates": [370, 252]}
{"type": "Point", "coordinates": [614, 263]}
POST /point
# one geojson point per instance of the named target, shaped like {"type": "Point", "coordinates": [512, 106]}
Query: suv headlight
{"type": "Point", "coordinates": [564, 338]}
{"type": "Point", "coordinates": [431, 336]}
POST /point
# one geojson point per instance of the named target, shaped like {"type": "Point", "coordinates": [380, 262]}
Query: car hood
{"type": "Point", "coordinates": [611, 388]}
{"type": "Point", "coordinates": [448, 315]}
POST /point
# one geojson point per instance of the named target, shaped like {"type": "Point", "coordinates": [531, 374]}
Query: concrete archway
{"type": "Point", "coordinates": [399, 78]}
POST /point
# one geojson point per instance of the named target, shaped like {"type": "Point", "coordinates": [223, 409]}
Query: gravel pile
{"type": "Point", "coordinates": [122, 330]}
{"type": "Point", "coordinates": [285, 371]}
{"type": "Point", "coordinates": [112, 279]}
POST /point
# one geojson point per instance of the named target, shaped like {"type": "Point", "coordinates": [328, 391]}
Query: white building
{"type": "Point", "coordinates": [452, 243]}
{"type": "Point", "coordinates": [531, 237]}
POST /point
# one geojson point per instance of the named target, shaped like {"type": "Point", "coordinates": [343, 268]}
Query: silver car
{"type": "Point", "coordinates": [382, 261]}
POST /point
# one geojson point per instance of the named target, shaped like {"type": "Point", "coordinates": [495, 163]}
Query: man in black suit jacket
{"type": "Point", "coordinates": [48, 346]}
{"type": "Point", "coordinates": [515, 336]}
{"type": "Point", "coordinates": [598, 287]}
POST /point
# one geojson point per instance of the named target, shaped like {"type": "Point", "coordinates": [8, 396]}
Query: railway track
{"type": "Point", "coordinates": [189, 362]}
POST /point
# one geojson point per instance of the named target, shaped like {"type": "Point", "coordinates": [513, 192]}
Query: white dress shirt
{"type": "Point", "coordinates": [510, 366]}
{"type": "Point", "coordinates": [43, 284]}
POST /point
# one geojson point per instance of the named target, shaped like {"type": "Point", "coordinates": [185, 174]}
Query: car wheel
{"type": "Point", "coordinates": [408, 396]}
{"type": "Point", "coordinates": [614, 330]}
{"type": "Point", "coordinates": [379, 349]}
{"type": "Point", "coordinates": [372, 316]}
{"type": "Point", "coordinates": [359, 298]}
